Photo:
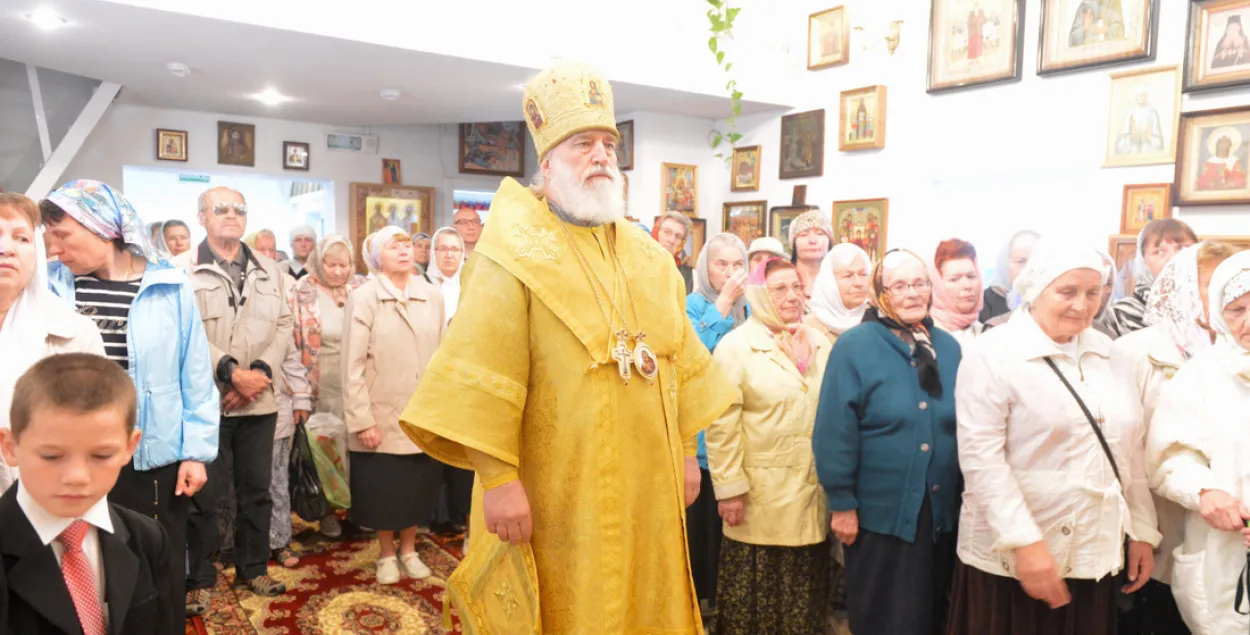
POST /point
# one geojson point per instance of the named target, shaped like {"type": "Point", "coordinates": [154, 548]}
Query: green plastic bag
{"type": "Point", "coordinates": [327, 438]}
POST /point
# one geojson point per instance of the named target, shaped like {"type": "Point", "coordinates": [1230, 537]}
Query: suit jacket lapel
{"type": "Point", "coordinates": [121, 572]}
{"type": "Point", "coordinates": [35, 575]}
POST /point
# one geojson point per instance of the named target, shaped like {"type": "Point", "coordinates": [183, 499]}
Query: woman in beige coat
{"type": "Point", "coordinates": [394, 322]}
{"type": "Point", "coordinates": [774, 564]}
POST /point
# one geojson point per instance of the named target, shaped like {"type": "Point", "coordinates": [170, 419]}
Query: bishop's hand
{"type": "Point", "coordinates": [506, 509]}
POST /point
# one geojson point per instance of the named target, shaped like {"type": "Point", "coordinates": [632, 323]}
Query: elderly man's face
{"type": "Point", "coordinates": [302, 246]}
{"type": "Point", "coordinates": [220, 219]}
{"type": "Point", "coordinates": [267, 247]}
{"type": "Point", "coordinates": [469, 224]}
{"type": "Point", "coordinates": [582, 177]}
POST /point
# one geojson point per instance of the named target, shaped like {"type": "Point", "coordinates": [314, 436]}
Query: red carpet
{"type": "Point", "coordinates": [333, 592]}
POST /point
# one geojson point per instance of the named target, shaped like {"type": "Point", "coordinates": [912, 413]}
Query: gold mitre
{"type": "Point", "coordinates": [564, 100]}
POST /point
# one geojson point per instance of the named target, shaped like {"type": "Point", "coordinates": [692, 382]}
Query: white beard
{"type": "Point", "coordinates": [598, 203]}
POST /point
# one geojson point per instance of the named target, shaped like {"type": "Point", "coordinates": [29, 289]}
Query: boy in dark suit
{"type": "Point", "coordinates": [70, 562]}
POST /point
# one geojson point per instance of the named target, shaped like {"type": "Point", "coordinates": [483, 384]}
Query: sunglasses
{"type": "Point", "coordinates": [221, 209]}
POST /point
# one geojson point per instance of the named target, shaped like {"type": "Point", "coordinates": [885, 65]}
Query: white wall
{"type": "Point", "coordinates": [428, 155]}
{"type": "Point", "coordinates": [982, 163]}
{"type": "Point", "coordinates": [661, 138]}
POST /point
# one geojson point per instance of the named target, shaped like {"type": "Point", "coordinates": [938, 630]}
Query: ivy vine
{"type": "Point", "coordinates": [721, 19]}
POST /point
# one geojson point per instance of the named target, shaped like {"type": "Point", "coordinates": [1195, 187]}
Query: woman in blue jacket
{"type": "Point", "coordinates": [885, 452]}
{"type": "Point", "coordinates": [717, 305]}
{"type": "Point", "coordinates": [146, 312]}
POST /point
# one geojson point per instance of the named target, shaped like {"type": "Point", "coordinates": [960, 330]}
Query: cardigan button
{"type": "Point", "coordinates": [924, 405]}
{"type": "Point", "coordinates": [913, 363]}
{"type": "Point", "coordinates": [935, 489]}
{"type": "Point", "coordinates": [924, 447]}
{"type": "Point", "coordinates": [1067, 531]}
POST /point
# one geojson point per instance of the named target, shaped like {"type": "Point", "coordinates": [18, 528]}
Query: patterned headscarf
{"type": "Point", "coordinates": [106, 213]}
{"type": "Point", "coordinates": [811, 219]}
{"type": "Point", "coordinates": [916, 334]}
{"type": "Point", "coordinates": [1230, 281]}
{"type": "Point", "coordinates": [826, 301]}
{"type": "Point", "coordinates": [317, 274]}
{"type": "Point", "coordinates": [791, 337]}
{"type": "Point", "coordinates": [1175, 303]}
{"type": "Point", "coordinates": [703, 280]}
{"type": "Point", "coordinates": [378, 241]}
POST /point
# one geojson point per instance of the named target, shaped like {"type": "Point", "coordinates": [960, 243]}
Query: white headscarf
{"type": "Point", "coordinates": [1052, 259]}
{"type": "Point", "coordinates": [450, 284]}
{"type": "Point", "coordinates": [767, 244]}
{"type": "Point", "coordinates": [703, 280]}
{"type": "Point", "coordinates": [827, 303]}
{"type": "Point", "coordinates": [1175, 303]}
{"type": "Point", "coordinates": [1002, 275]}
{"type": "Point", "coordinates": [303, 230]}
{"type": "Point", "coordinates": [1230, 281]}
{"type": "Point", "coordinates": [23, 338]}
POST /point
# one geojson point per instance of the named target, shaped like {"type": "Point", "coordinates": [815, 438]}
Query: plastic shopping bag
{"type": "Point", "coordinates": [328, 439]}
{"type": "Point", "coordinates": [308, 500]}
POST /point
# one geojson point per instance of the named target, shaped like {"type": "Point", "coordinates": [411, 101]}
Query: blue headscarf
{"type": "Point", "coordinates": [106, 213]}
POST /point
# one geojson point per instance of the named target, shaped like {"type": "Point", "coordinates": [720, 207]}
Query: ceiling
{"type": "Point", "coordinates": [332, 81]}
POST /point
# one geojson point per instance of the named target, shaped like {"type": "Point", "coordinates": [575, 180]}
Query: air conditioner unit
{"type": "Point", "coordinates": [350, 142]}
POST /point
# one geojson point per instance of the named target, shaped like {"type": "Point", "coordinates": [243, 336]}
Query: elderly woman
{"type": "Point", "coordinates": [811, 237]}
{"type": "Point", "coordinates": [885, 454]}
{"type": "Point", "coordinates": [775, 565]}
{"type": "Point", "coordinates": [840, 296]}
{"type": "Point", "coordinates": [1197, 449]}
{"type": "Point", "coordinates": [1157, 243]}
{"type": "Point", "coordinates": [146, 313]}
{"type": "Point", "coordinates": [1177, 330]}
{"type": "Point", "coordinates": [421, 244]}
{"type": "Point", "coordinates": [447, 263]}
{"type": "Point", "coordinates": [393, 324]}
{"type": "Point", "coordinates": [315, 379]}
{"type": "Point", "coordinates": [957, 294]}
{"type": "Point", "coordinates": [717, 306]}
{"type": "Point", "coordinates": [1011, 261]}
{"type": "Point", "coordinates": [175, 237]}
{"type": "Point", "coordinates": [33, 322]}
{"type": "Point", "coordinates": [762, 249]}
{"type": "Point", "coordinates": [1050, 446]}
{"type": "Point", "coordinates": [671, 231]}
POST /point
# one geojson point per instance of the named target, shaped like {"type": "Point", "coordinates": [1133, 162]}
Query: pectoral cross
{"type": "Point", "coordinates": [623, 356]}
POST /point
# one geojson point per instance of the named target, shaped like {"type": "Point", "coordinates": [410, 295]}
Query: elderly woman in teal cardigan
{"type": "Point", "coordinates": [885, 452]}
{"type": "Point", "coordinates": [716, 307]}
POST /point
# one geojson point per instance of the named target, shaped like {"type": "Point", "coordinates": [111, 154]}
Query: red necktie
{"type": "Point", "coordinates": [81, 580]}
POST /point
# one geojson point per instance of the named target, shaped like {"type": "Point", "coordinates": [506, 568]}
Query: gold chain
{"type": "Point", "coordinates": [629, 291]}
{"type": "Point", "coordinates": [592, 278]}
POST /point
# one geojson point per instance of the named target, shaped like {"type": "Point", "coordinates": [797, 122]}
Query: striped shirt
{"type": "Point", "coordinates": [107, 302]}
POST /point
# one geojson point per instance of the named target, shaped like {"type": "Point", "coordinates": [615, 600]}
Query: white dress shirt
{"type": "Point", "coordinates": [50, 527]}
{"type": "Point", "coordinates": [1034, 468]}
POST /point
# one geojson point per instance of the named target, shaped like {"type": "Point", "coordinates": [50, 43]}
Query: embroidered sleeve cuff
{"type": "Point", "coordinates": [731, 489]}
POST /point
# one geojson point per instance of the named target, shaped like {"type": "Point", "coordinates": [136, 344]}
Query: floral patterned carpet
{"type": "Point", "coordinates": [333, 592]}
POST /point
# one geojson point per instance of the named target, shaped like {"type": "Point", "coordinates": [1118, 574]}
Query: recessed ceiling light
{"type": "Point", "coordinates": [390, 94]}
{"type": "Point", "coordinates": [178, 69]}
{"type": "Point", "coordinates": [46, 18]}
{"type": "Point", "coordinates": [271, 97]}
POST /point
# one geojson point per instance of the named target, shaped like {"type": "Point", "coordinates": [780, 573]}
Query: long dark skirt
{"type": "Point", "coordinates": [703, 537]}
{"type": "Point", "coordinates": [899, 588]}
{"type": "Point", "coordinates": [988, 604]}
{"type": "Point", "coordinates": [1153, 612]}
{"type": "Point", "coordinates": [774, 590]}
{"type": "Point", "coordinates": [393, 492]}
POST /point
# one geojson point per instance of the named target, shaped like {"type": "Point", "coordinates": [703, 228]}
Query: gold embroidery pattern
{"type": "Point", "coordinates": [507, 599]}
{"type": "Point", "coordinates": [531, 242]}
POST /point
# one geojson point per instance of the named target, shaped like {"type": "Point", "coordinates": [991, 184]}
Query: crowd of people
{"type": "Point", "coordinates": [817, 433]}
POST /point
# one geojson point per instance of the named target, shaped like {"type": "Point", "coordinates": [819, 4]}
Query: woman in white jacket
{"type": "Point", "coordinates": [1198, 452]}
{"type": "Point", "coordinates": [1176, 330]}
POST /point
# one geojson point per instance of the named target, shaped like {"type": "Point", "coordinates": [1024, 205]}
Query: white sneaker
{"type": "Point", "coordinates": [388, 570]}
{"type": "Point", "coordinates": [416, 569]}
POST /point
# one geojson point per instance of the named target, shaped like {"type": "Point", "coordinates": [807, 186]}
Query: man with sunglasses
{"type": "Point", "coordinates": [248, 322]}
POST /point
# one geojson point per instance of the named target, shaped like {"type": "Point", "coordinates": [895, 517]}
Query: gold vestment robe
{"type": "Point", "coordinates": [525, 376]}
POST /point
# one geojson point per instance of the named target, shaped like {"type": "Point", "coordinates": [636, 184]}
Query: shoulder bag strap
{"type": "Point", "coordinates": [1088, 416]}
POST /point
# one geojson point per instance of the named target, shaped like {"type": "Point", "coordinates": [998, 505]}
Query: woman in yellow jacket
{"type": "Point", "coordinates": [775, 565]}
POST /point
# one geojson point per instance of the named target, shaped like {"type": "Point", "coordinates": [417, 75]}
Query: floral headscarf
{"type": "Point", "coordinates": [317, 274]}
{"type": "Point", "coordinates": [703, 280]}
{"type": "Point", "coordinates": [1175, 303]}
{"type": "Point", "coordinates": [791, 337]}
{"type": "Point", "coordinates": [1230, 281]}
{"type": "Point", "coordinates": [918, 334]}
{"type": "Point", "coordinates": [826, 301]}
{"type": "Point", "coordinates": [106, 213]}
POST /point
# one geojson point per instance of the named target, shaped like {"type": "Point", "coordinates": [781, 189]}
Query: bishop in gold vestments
{"type": "Point", "coordinates": [525, 386]}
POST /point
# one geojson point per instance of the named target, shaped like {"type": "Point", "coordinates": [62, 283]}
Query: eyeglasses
{"type": "Point", "coordinates": [448, 250]}
{"type": "Point", "coordinates": [900, 288]}
{"type": "Point", "coordinates": [221, 209]}
{"type": "Point", "coordinates": [467, 222]}
{"type": "Point", "coordinates": [784, 290]}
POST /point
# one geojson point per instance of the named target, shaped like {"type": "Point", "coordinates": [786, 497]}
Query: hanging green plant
{"type": "Point", "coordinates": [721, 19]}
